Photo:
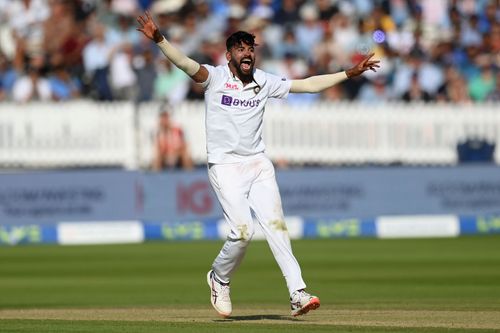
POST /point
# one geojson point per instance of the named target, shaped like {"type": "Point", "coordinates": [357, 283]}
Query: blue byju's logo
{"type": "Point", "coordinates": [230, 101]}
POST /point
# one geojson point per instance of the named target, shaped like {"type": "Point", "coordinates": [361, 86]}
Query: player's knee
{"type": "Point", "coordinates": [245, 233]}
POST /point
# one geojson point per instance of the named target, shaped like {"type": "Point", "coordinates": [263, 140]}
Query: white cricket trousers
{"type": "Point", "coordinates": [248, 186]}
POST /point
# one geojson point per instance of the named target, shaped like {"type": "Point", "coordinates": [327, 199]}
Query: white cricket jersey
{"type": "Point", "coordinates": [234, 114]}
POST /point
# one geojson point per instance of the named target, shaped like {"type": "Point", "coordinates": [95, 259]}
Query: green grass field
{"type": "Point", "coordinates": [365, 285]}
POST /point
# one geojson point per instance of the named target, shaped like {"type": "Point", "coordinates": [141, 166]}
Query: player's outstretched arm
{"type": "Point", "coordinates": [319, 83]}
{"type": "Point", "coordinates": [149, 28]}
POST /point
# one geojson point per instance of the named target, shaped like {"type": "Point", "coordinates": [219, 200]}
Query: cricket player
{"type": "Point", "coordinates": [241, 175]}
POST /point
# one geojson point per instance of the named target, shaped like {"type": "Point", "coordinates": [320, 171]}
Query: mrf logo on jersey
{"type": "Point", "coordinates": [231, 86]}
{"type": "Point", "coordinates": [230, 101]}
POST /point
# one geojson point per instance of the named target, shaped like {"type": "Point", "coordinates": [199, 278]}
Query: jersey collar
{"type": "Point", "coordinates": [233, 77]}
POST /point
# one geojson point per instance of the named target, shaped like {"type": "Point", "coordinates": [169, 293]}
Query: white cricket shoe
{"type": "Point", "coordinates": [219, 295]}
{"type": "Point", "coordinates": [303, 302]}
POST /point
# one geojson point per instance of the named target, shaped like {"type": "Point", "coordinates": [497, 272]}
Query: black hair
{"type": "Point", "coordinates": [240, 37]}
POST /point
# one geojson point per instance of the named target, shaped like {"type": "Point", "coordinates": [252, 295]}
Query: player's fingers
{"type": "Point", "coordinates": [369, 66]}
{"type": "Point", "coordinates": [368, 57]}
{"type": "Point", "coordinates": [141, 21]}
{"type": "Point", "coordinates": [148, 15]}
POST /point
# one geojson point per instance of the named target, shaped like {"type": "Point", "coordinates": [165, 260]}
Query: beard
{"type": "Point", "coordinates": [244, 76]}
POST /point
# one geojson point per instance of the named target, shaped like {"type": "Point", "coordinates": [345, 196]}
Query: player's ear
{"type": "Point", "coordinates": [228, 56]}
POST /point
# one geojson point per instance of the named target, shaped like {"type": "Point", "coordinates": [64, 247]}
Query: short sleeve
{"type": "Point", "coordinates": [278, 87]}
{"type": "Point", "coordinates": [211, 75]}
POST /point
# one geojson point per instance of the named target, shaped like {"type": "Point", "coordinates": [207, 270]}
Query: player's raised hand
{"type": "Point", "coordinates": [363, 66]}
{"type": "Point", "coordinates": [149, 28]}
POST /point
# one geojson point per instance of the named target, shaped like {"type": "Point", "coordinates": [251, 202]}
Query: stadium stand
{"type": "Point", "coordinates": [445, 51]}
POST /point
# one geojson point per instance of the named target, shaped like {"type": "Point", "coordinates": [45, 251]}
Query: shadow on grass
{"type": "Point", "coordinates": [258, 317]}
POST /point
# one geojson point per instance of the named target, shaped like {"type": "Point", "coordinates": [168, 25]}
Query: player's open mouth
{"type": "Point", "coordinates": [246, 65]}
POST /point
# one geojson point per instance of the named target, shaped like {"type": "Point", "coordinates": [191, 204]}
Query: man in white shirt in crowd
{"type": "Point", "coordinates": [33, 86]}
{"type": "Point", "coordinates": [241, 175]}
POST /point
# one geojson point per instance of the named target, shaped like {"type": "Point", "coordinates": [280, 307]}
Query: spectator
{"type": "Point", "coordinates": [415, 93]}
{"type": "Point", "coordinates": [166, 17]}
{"type": "Point", "coordinates": [430, 75]}
{"type": "Point", "coordinates": [145, 70]}
{"type": "Point", "coordinates": [375, 92]}
{"type": "Point", "coordinates": [123, 33]}
{"type": "Point", "coordinates": [454, 88]}
{"type": "Point", "coordinates": [400, 11]}
{"type": "Point", "coordinates": [299, 69]}
{"type": "Point", "coordinates": [292, 67]}
{"type": "Point", "coordinates": [483, 84]}
{"type": "Point", "coordinates": [104, 13]}
{"type": "Point", "coordinates": [470, 34]}
{"type": "Point", "coordinates": [171, 83]}
{"type": "Point", "coordinates": [33, 86]}
{"type": "Point", "coordinates": [191, 38]}
{"type": "Point", "coordinates": [488, 17]}
{"type": "Point", "coordinates": [209, 23]}
{"type": "Point", "coordinates": [288, 45]}
{"type": "Point", "coordinates": [64, 33]}
{"type": "Point", "coordinates": [96, 59]}
{"type": "Point", "coordinates": [63, 86]}
{"type": "Point", "coordinates": [494, 95]}
{"type": "Point", "coordinates": [125, 7]}
{"type": "Point", "coordinates": [345, 34]}
{"type": "Point", "coordinates": [236, 15]}
{"type": "Point", "coordinates": [309, 32]}
{"type": "Point", "coordinates": [423, 37]}
{"type": "Point", "coordinates": [327, 9]}
{"type": "Point", "coordinates": [60, 26]}
{"type": "Point", "coordinates": [435, 13]}
{"type": "Point", "coordinates": [8, 76]}
{"type": "Point", "coordinates": [494, 48]}
{"type": "Point", "coordinates": [26, 19]}
{"type": "Point", "coordinates": [333, 94]}
{"type": "Point", "coordinates": [123, 79]}
{"type": "Point", "coordinates": [288, 14]}
{"type": "Point", "coordinates": [171, 150]}
{"type": "Point", "coordinates": [469, 64]}
{"type": "Point", "coordinates": [2, 93]}
{"type": "Point", "coordinates": [380, 19]}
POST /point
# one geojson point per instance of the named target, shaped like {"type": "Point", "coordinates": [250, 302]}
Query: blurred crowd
{"type": "Point", "coordinates": [431, 50]}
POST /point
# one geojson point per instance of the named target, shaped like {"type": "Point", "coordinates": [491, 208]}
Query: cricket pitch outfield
{"type": "Point", "coordinates": [365, 285]}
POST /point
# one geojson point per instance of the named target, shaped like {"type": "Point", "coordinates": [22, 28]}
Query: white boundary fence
{"type": "Point", "coordinates": [84, 134]}
{"type": "Point", "coordinates": [67, 134]}
{"type": "Point", "coordinates": [356, 133]}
